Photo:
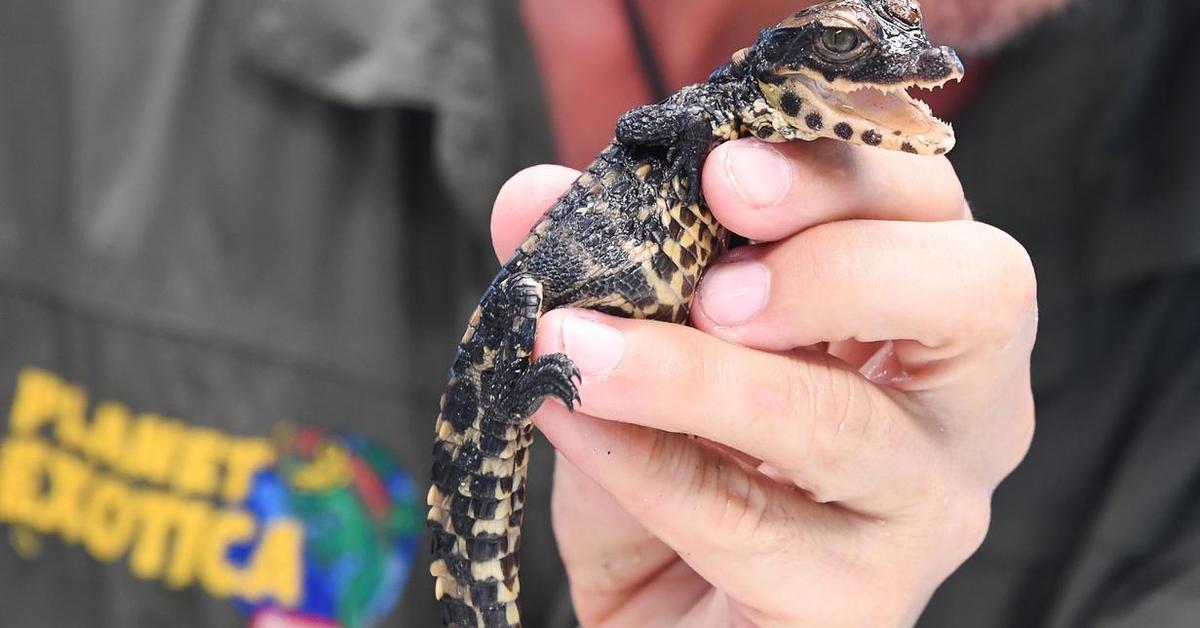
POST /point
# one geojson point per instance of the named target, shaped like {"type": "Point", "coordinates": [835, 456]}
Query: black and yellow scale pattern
{"type": "Point", "coordinates": [631, 237]}
{"type": "Point", "coordinates": [642, 264]}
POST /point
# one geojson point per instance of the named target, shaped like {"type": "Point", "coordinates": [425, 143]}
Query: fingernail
{"type": "Point", "coordinates": [884, 367]}
{"type": "Point", "coordinates": [758, 173]}
{"type": "Point", "coordinates": [736, 292]}
{"type": "Point", "coordinates": [594, 347]}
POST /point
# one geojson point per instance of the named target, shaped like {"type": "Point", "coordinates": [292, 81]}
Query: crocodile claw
{"type": "Point", "coordinates": [552, 375]}
{"type": "Point", "coordinates": [686, 161]}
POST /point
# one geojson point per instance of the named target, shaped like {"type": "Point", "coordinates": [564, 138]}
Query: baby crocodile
{"type": "Point", "coordinates": [631, 237]}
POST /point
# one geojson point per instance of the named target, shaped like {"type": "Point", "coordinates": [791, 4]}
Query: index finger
{"type": "Point", "coordinates": [522, 200]}
{"type": "Point", "coordinates": [770, 191]}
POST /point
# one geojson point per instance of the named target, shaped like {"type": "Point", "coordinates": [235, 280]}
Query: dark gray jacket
{"type": "Point", "coordinates": [238, 241]}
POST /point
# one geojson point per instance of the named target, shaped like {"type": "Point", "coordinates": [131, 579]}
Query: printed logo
{"type": "Point", "coordinates": [306, 529]}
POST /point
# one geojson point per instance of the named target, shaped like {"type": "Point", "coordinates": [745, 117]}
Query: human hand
{"type": "Point", "coordinates": [857, 384]}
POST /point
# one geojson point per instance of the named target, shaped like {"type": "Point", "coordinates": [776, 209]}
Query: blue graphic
{"type": "Point", "coordinates": [361, 516]}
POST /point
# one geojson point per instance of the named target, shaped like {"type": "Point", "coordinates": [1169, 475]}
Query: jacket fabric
{"type": "Point", "coordinates": [239, 240]}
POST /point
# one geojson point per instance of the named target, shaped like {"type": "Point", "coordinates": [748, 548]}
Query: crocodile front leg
{"type": "Point", "coordinates": [686, 132]}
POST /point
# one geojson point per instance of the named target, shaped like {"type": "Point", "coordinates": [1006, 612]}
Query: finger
{"type": "Point", "coordinates": [522, 200]}
{"type": "Point", "coordinates": [769, 191]}
{"type": "Point", "coordinates": [953, 287]}
{"type": "Point", "coordinates": [607, 569]}
{"type": "Point", "coordinates": [958, 300]}
{"type": "Point", "coordinates": [737, 529]}
{"type": "Point", "coordinates": [834, 434]}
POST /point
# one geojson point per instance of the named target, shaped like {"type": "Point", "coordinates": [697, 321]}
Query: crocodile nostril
{"type": "Point", "coordinates": [939, 63]}
{"type": "Point", "coordinates": [956, 64]}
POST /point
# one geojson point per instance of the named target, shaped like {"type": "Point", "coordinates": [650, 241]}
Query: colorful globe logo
{"type": "Point", "coordinates": [361, 517]}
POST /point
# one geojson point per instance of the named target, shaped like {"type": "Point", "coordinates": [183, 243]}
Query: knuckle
{"type": "Point", "coordinates": [820, 256]}
{"type": "Point", "coordinates": [842, 421]}
{"type": "Point", "coordinates": [1007, 284]}
{"type": "Point", "coordinates": [840, 407]}
{"type": "Point", "coordinates": [742, 513]}
{"type": "Point", "coordinates": [664, 456]}
{"type": "Point", "coordinates": [967, 527]}
{"type": "Point", "coordinates": [680, 486]}
{"type": "Point", "coordinates": [805, 400]}
{"type": "Point", "coordinates": [695, 487]}
{"type": "Point", "coordinates": [753, 397]}
{"type": "Point", "coordinates": [951, 516]}
{"type": "Point", "coordinates": [956, 523]}
{"type": "Point", "coordinates": [1020, 436]}
{"type": "Point", "coordinates": [1013, 274]}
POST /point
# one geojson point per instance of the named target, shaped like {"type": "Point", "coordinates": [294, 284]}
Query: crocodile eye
{"type": "Point", "coordinates": [840, 41]}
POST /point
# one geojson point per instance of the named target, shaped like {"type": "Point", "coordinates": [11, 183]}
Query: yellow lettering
{"type": "Point", "coordinates": [153, 445]}
{"type": "Point", "coordinates": [41, 398]}
{"type": "Point", "coordinates": [150, 548]}
{"type": "Point", "coordinates": [21, 480]}
{"type": "Point", "coordinates": [36, 401]}
{"type": "Point", "coordinates": [246, 457]}
{"type": "Point", "coordinates": [192, 519]}
{"type": "Point", "coordinates": [108, 519]}
{"type": "Point", "coordinates": [169, 536]}
{"type": "Point", "coordinates": [4, 507]}
{"type": "Point", "coordinates": [198, 469]}
{"type": "Point", "coordinates": [228, 527]}
{"type": "Point", "coordinates": [68, 476]}
{"type": "Point", "coordinates": [275, 567]}
{"type": "Point", "coordinates": [166, 517]}
{"type": "Point", "coordinates": [110, 430]}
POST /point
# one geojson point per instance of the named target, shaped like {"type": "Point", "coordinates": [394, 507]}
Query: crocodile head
{"type": "Point", "coordinates": [842, 69]}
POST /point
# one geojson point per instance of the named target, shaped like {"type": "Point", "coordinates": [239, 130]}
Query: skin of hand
{"type": "Point", "coordinates": [821, 448]}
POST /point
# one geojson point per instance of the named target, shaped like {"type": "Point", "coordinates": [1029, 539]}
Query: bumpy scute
{"type": "Point", "coordinates": [632, 237]}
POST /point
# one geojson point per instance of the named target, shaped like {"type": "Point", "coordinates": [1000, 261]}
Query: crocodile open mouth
{"type": "Point", "coordinates": [878, 115]}
{"type": "Point", "coordinates": [891, 108]}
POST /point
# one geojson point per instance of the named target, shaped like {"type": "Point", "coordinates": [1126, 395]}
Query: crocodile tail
{"type": "Point", "coordinates": [476, 507]}
{"type": "Point", "coordinates": [479, 460]}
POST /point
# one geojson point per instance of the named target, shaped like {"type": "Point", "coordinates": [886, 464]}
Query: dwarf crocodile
{"type": "Point", "coordinates": [632, 237]}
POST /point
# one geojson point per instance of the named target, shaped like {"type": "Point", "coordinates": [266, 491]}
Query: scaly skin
{"type": "Point", "coordinates": [632, 237]}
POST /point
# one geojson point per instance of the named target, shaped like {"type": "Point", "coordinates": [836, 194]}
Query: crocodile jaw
{"type": "Point", "coordinates": [884, 116]}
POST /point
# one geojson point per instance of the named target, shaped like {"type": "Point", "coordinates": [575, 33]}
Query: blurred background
{"type": "Point", "coordinates": [239, 240]}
